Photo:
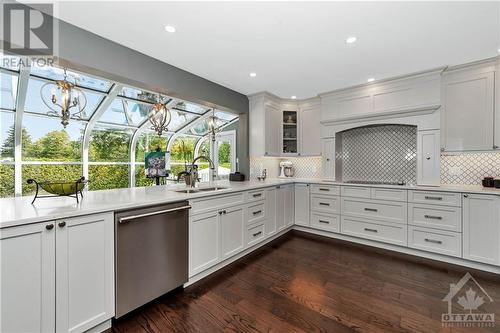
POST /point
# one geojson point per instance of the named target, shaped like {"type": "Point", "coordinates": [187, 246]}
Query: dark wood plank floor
{"type": "Point", "coordinates": [306, 283]}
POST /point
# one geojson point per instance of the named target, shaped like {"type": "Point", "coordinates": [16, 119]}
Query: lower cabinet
{"type": "Point", "coordinates": [68, 290]}
{"type": "Point", "coordinates": [232, 226]}
{"type": "Point", "coordinates": [302, 204]}
{"type": "Point", "coordinates": [481, 228]}
{"type": "Point", "coordinates": [289, 205]}
{"type": "Point", "coordinates": [280, 208]}
{"type": "Point", "coordinates": [204, 241]}
{"type": "Point", "coordinates": [270, 222]}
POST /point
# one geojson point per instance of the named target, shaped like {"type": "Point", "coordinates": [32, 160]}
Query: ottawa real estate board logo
{"type": "Point", "coordinates": [465, 300]}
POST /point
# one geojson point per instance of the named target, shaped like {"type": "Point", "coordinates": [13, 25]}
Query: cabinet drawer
{"type": "Point", "coordinates": [256, 195]}
{"type": "Point", "coordinates": [385, 211]}
{"type": "Point", "coordinates": [325, 189]}
{"type": "Point", "coordinates": [255, 234]}
{"type": "Point", "coordinates": [355, 191]}
{"type": "Point", "coordinates": [379, 231]}
{"type": "Point", "coordinates": [325, 203]}
{"type": "Point", "coordinates": [439, 241]}
{"type": "Point", "coordinates": [212, 203]}
{"type": "Point", "coordinates": [256, 213]}
{"type": "Point", "coordinates": [389, 194]}
{"type": "Point", "coordinates": [436, 198]}
{"type": "Point", "coordinates": [329, 222]}
{"type": "Point", "coordinates": [436, 217]}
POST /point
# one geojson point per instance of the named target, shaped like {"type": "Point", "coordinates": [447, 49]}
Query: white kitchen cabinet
{"type": "Point", "coordinates": [302, 204]}
{"type": "Point", "coordinates": [272, 135]}
{"type": "Point", "coordinates": [84, 272]}
{"type": "Point", "coordinates": [264, 126]}
{"type": "Point", "coordinates": [280, 208]}
{"type": "Point", "coordinates": [468, 108]}
{"type": "Point", "coordinates": [232, 225]}
{"type": "Point", "coordinates": [309, 138]}
{"type": "Point", "coordinates": [289, 204]}
{"type": "Point", "coordinates": [328, 158]}
{"type": "Point", "coordinates": [481, 228]}
{"type": "Point", "coordinates": [270, 223]}
{"type": "Point", "coordinates": [428, 158]}
{"type": "Point", "coordinates": [27, 288]}
{"type": "Point", "coordinates": [204, 241]}
{"type": "Point", "coordinates": [68, 290]}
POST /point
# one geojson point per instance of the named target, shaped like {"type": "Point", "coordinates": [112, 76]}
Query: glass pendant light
{"type": "Point", "coordinates": [212, 122]}
{"type": "Point", "coordinates": [64, 99]}
{"type": "Point", "coordinates": [159, 116]}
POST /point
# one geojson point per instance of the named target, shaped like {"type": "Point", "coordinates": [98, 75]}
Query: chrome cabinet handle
{"type": "Point", "coordinates": [257, 212]}
{"type": "Point", "coordinates": [371, 210]}
{"type": "Point", "coordinates": [433, 198]}
{"type": "Point", "coordinates": [323, 221]}
{"type": "Point", "coordinates": [433, 217]}
{"type": "Point", "coordinates": [133, 217]}
{"type": "Point", "coordinates": [371, 230]}
{"type": "Point", "coordinates": [466, 195]}
{"type": "Point", "coordinates": [49, 226]}
{"type": "Point", "coordinates": [62, 224]}
{"type": "Point", "coordinates": [433, 241]}
{"type": "Point", "coordinates": [428, 158]}
{"type": "Point", "coordinates": [257, 234]}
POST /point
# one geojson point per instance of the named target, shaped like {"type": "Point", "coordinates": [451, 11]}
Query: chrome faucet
{"type": "Point", "coordinates": [191, 176]}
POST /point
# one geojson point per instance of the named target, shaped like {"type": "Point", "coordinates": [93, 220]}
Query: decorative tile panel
{"type": "Point", "coordinates": [305, 167]}
{"type": "Point", "coordinates": [382, 153]}
{"type": "Point", "coordinates": [469, 168]}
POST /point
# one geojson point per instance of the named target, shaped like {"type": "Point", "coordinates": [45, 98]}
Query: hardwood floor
{"type": "Point", "coordinates": [306, 283]}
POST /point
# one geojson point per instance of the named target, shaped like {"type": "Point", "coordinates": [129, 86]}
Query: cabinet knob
{"type": "Point", "coordinates": [428, 158]}
{"type": "Point", "coordinates": [495, 147]}
{"type": "Point", "coordinates": [442, 148]}
{"type": "Point", "coordinates": [61, 224]}
{"type": "Point", "coordinates": [328, 160]}
{"type": "Point", "coordinates": [466, 195]}
{"type": "Point", "coordinates": [49, 226]}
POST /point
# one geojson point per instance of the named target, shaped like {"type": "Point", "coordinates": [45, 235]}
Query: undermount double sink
{"type": "Point", "coordinates": [201, 189]}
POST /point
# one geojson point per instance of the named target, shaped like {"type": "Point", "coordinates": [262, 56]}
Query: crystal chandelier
{"type": "Point", "coordinates": [213, 128]}
{"type": "Point", "coordinates": [159, 116]}
{"type": "Point", "coordinates": [66, 99]}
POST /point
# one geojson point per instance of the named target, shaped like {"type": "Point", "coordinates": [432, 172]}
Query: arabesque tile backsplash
{"type": "Point", "coordinates": [465, 168]}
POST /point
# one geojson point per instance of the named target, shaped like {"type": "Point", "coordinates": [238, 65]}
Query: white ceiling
{"type": "Point", "coordinates": [296, 48]}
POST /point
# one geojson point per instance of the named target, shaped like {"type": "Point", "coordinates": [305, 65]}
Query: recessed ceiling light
{"type": "Point", "coordinates": [170, 28]}
{"type": "Point", "coordinates": [371, 79]}
{"type": "Point", "coordinates": [253, 74]}
{"type": "Point", "coordinates": [294, 97]}
{"type": "Point", "coordinates": [350, 40]}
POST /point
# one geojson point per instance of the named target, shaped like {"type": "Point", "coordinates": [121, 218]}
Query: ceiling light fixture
{"type": "Point", "coordinates": [170, 28]}
{"type": "Point", "coordinates": [351, 40]}
{"type": "Point", "coordinates": [64, 96]}
{"type": "Point", "coordinates": [159, 116]}
{"type": "Point", "coordinates": [294, 97]}
{"type": "Point", "coordinates": [371, 79]}
{"type": "Point", "coordinates": [253, 74]}
{"type": "Point", "coordinates": [212, 122]}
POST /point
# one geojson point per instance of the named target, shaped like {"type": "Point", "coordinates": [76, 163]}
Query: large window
{"type": "Point", "coordinates": [106, 143]}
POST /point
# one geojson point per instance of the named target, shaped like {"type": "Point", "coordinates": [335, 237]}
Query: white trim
{"type": "Point", "coordinates": [22, 89]}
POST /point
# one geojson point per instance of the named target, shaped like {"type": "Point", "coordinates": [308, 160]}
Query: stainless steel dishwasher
{"type": "Point", "coordinates": [151, 247]}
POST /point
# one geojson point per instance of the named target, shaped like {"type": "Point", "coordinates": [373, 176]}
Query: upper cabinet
{"type": "Point", "coordinates": [280, 127]}
{"type": "Point", "coordinates": [468, 117]}
{"type": "Point", "coordinates": [392, 96]}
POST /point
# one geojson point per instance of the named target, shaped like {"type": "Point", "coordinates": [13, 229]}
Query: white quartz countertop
{"type": "Point", "coordinates": [19, 210]}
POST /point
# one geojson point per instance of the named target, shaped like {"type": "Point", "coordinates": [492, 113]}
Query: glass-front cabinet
{"type": "Point", "coordinates": [289, 132]}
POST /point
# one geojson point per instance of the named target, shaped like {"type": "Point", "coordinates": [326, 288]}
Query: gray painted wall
{"type": "Point", "coordinates": [82, 50]}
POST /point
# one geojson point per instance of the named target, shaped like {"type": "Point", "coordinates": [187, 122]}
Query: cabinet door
{"type": "Point", "coordinates": [481, 229]}
{"type": "Point", "coordinates": [309, 125]}
{"type": "Point", "coordinates": [27, 256]}
{"type": "Point", "coordinates": [232, 221]}
{"type": "Point", "coordinates": [328, 158]}
{"type": "Point", "coordinates": [270, 226]}
{"type": "Point", "coordinates": [302, 204]}
{"type": "Point", "coordinates": [280, 208]}
{"type": "Point", "coordinates": [428, 158]}
{"type": "Point", "coordinates": [272, 131]}
{"type": "Point", "coordinates": [84, 272]}
{"type": "Point", "coordinates": [289, 205]}
{"type": "Point", "coordinates": [204, 240]}
{"type": "Point", "coordinates": [469, 110]}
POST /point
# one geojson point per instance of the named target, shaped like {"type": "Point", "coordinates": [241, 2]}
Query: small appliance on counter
{"type": "Point", "coordinates": [236, 177]}
{"type": "Point", "coordinates": [286, 169]}
{"type": "Point", "coordinates": [488, 182]}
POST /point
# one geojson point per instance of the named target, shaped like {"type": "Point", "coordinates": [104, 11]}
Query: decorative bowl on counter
{"type": "Point", "coordinates": [60, 188]}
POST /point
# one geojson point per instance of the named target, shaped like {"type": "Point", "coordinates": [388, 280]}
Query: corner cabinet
{"type": "Point", "coordinates": [281, 127]}
{"type": "Point", "coordinates": [481, 228]}
{"type": "Point", "coordinates": [71, 290]}
{"type": "Point", "coordinates": [302, 204]}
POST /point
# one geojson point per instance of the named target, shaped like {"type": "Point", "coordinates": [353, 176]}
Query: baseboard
{"type": "Point", "coordinates": [404, 250]}
{"type": "Point", "coordinates": [226, 262]}
{"type": "Point", "coordinates": [101, 327]}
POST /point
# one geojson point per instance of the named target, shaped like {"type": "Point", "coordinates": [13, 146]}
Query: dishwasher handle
{"type": "Point", "coordinates": [133, 217]}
